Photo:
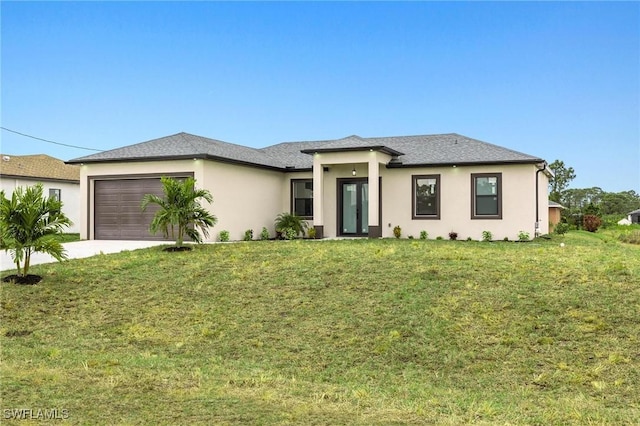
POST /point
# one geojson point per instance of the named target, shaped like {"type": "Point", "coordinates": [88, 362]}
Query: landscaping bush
{"type": "Point", "coordinates": [248, 235]}
{"type": "Point", "coordinates": [523, 236]}
{"type": "Point", "coordinates": [224, 236]}
{"type": "Point", "coordinates": [397, 231]}
{"type": "Point", "coordinates": [453, 236]}
{"type": "Point", "coordinates": [264, 234]}
{"type": "Point", "coordinates": [487, 236]}
{"type": "Point", "coordinates": [561, 228]}
{"type": "Point", "coordinates": [311, 233]}
{"type": "Point", "coordinates": [289, 221]}
{"type": "Point", "coordinates": [424, 235]}
{"type": "Point", "coordinates": [591, 222]}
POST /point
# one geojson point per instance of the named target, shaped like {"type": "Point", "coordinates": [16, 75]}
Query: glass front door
{"type": "Point", "coordinates": [354, 207]}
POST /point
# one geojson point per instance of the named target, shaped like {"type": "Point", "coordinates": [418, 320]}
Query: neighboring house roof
{"type": "Point", "coordinates": [408, 151]}
{"type": "Point", "coordinates": [39, 166]}
{"type": "Point", "coordinates": [634, 212]}
{"type": "Point", "coordinates": [555, 205]}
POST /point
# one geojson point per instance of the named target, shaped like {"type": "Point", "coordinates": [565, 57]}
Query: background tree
{"type": "Point", "coordinates": [180, 213]}
{"type": "Point", "coordinates": [29, 223]}
{"type": "Point", "coordinates": [563, 175]}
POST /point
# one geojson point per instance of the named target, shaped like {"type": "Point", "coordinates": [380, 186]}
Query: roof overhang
{"type": "Point", "coordinates": [179, 157]}
{"type": "Point", "coordinates": [400, 165]}
{"type": "Point", "coordinates": [379, 148]}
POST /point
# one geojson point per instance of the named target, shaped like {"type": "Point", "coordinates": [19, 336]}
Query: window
{"type": "Point", "coordinates": [302, 198]}
{"type": "Point", "coordinates": [54, 193]}
{"type": "Point", "coordinates": [486, 197]}
{"type": "Point", "coordinates": [426, 197]}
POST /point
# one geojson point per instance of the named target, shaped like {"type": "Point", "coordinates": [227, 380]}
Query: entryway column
{"type": "Point", "coordinates": [318, 179]}
{"type": "Point", "coordinates": [375, 230]}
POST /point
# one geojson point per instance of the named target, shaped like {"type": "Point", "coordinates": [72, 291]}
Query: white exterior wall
{"type": "Point", "coordinates": [69, 194]}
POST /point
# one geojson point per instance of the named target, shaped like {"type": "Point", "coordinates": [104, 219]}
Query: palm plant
{"type": "Point", "coordinates": [29, 222]}
{"type": "Point", "coordinates": [180, 213]}
{"type": "Point", "coordinates": [286, 221]}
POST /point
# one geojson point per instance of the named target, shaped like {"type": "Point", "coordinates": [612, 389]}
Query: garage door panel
{"type": "Point", "coordinates": [117, 214]}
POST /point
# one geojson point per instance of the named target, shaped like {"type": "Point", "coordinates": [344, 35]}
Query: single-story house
{"type": "Point", "coordinates": [555, 210]}
{"type": "Point", "coordinates": [353, 186]}
{"type": "Point", "coordinates": [634, 216]}
{"type": "Point", "coordinates": [59, 180]}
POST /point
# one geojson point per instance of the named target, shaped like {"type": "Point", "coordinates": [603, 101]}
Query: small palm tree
{"type": "Point", "coordinates": [292, 221]}
{"type": "Point", "coordinates": [29, 222]}
{"type": "Point", "coordinates": [181, 213]}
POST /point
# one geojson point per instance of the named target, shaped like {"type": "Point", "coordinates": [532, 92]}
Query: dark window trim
{"type": "Point", "coordinates": [498, 176]}
{"type": "Point", "coordinates": [291, 206]}
{"type": "Point", "coordinates": [414, 179]}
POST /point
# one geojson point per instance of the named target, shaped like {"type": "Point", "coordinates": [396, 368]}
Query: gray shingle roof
{"type": "Point", "coordinates": [442, 149]}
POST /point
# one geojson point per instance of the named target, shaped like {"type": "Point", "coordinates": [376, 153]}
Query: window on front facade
{"type": "Point", "coordinates": [486, 198]}
{"type": "Point", "coordinates": [302, 198]}
{"type": "Point", "coordinates": [55, 194]}
{"type": "Point", "coordinates": [426, 197]}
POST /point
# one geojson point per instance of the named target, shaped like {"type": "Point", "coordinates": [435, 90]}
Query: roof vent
{"type": "Point", "coordinates": [6, 158]}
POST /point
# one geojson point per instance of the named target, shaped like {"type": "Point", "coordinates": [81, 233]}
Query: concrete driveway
{"type": "Point", "coordinates": [80, 249]}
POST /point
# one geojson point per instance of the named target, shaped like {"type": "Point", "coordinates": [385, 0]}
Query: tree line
{"type": "Point", "coordinates": [611, 206]}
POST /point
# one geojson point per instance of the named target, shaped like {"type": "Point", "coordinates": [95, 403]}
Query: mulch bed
{"type": "Point", "coordinates": [23, 280]}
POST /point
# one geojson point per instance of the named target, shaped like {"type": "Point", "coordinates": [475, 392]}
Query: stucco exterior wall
{"type": "Point", "coordinates": [243, 198]}
{"type": "Point", "coordinates": [69, 194]}
{"type": "Point", "coordinates": [88, 172]}
{"type": "Point", "coordinates": [518, 202]}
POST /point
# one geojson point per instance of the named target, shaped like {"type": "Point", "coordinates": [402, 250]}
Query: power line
{"type": "Point", "coordinates": [53, 142]}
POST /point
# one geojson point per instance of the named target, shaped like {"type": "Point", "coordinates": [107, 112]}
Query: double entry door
{"type": "Point", "coordinates": [353, 207]}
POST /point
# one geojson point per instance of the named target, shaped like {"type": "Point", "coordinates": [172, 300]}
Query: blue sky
{"type": "Point", "coordinates": [559, 80]}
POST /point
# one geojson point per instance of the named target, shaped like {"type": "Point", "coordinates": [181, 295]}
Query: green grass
{"type": "Point", "coordinates": [68, 238]}
{"type": "Point", "coordinates": [332, 332]}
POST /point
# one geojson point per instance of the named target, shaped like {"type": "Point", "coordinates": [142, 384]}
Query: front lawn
{"type": "Point", "coordinates": [331, 332]}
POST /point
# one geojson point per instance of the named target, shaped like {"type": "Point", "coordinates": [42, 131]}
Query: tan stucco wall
{"type": "Point", "coordinates": [518, 202]}
{"type": "Point", "coordinates": [244, 198]}
{"type": "Point", "coordinates": [115, 170]}
{"type": "Point", "coordinates": [69, 194]}
{"type": "Point", "coordinates": [250, 198]}
{"type": "Point", "coordinates": [554, 217]}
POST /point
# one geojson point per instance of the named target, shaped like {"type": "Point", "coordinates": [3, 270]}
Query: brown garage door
{"type": "Point", "coordinates": [117, 209]}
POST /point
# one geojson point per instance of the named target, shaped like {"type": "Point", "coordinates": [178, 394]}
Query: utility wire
{"type": "Point", "coordinates": [45, 140]}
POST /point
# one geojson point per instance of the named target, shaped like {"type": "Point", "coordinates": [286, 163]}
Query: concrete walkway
{"type": "Point", "coordinates": [80, 249]}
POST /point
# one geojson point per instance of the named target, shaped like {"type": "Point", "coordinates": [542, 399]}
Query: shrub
{"type": "Point", "coordinates": [289, 233]}
{"type": "Point", "coordinates": [453, 236]}
{"type": "Point", "coordinates": [291, 221]}
{"type": "Point", "coordinates": [561, 228]}
{"type": "Point", "coordinates": [505, 239]}
{"type": "Point", "coordinates": [523, 236]}
{"type": "Point", "coordinates": [591, 222]}
{"type": "Point", "coordinates": [410, 237]}
{"type": "Point", "coordinates": [397, 231]}
{"type": "Point", "coordinates": [224, 236]}
{"type": "Point", "coordinates": [424, 235]}
{"type": "Point", "coordinates": [439, 238]}
{"type": "Point", "coordinates": [248, 235]}
{"type": "Point", "coordinates": [312, 233]}
{"type": "Point", "coordinates": [264, 234]}
{"type": "Point", "coordinates": [487, 236]}
{"type": "Point", "coordinates": [469, 239]}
